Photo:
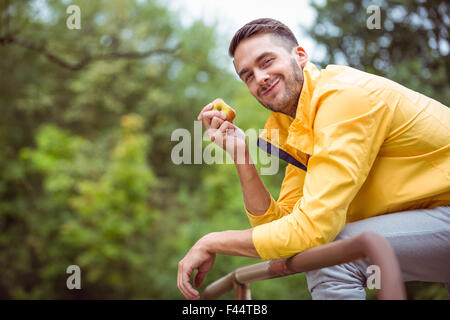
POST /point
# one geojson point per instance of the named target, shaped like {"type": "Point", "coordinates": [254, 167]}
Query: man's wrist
{"type": "Point", "coordinates": [206, 242]}
{"type": "Point", "coordinates": [242, 155]}
{"type": "Point", "coordinates": [230, 242]}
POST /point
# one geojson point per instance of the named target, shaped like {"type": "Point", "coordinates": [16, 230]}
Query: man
{"type": "Point", "coordinates": [364, 153]}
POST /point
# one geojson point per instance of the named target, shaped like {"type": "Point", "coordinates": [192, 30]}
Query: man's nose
{"type": "Point", "coordinates": [261, 77]}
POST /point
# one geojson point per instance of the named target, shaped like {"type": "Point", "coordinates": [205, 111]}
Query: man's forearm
{"type": "Point", "coordinates": [256, 195]}
{"type": "Point", "coordinates": [232, 242]}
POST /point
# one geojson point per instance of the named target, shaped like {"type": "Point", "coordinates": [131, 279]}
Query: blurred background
{"type": "Point", "coordinates": [86, 118]}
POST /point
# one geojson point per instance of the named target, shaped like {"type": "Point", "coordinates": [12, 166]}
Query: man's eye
{"type": "Point", "coordinates": [267, 61]}
{"type": "Point", "coordinates": [247, 78]}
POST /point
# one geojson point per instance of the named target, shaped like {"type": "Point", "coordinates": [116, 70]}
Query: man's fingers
{"type": "Point", "coordinates": [219, 133]}
{"type": "Point", "coordinates": [226, 125]}
{"type": "Point", "coordinates": [184, 285]}
{"type": "Point", "coordinates": [205, 108]}
{"type": "Point", "coordinates": [179, 277]}
{"type": "Point", "coordinates": [214, 113]}
{"type": "Point", "coordinates": [187, 290]}
{"type": "Point", "coordinates": [208, 116]}
{"type": "Point", "coordinates": [216, 122]}
{"type": "Point", "coordinates": [199, 278]}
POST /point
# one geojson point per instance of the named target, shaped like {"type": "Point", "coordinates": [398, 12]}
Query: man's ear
{"type": "Point", "coordinates": [301, 55]}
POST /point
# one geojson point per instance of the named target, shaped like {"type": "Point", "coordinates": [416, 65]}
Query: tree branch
{"type": "Point", "coordinates": [42, 49]}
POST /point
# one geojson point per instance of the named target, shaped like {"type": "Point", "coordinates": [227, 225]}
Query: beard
{"type": "Point", "coordinates": [288, 101]}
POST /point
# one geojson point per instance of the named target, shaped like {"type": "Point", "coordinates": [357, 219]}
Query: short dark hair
{"type": "Point", "coordinates": [261, 26]}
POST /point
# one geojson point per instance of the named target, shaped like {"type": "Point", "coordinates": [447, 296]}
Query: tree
{"type": "Point", "coordinates": [76, 187]}
{"type": "Point", "coordinates": [412, 46]}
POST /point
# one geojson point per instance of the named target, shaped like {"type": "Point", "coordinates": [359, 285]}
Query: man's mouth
{"type": "Point", "coordinates": [271, 88]}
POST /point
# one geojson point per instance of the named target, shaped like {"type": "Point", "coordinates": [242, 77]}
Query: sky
{"type": "Point", "coordinates": [233, 14]}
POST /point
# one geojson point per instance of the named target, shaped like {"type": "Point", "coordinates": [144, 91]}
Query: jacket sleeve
{"type": "Point", "coordinates": [290, 193]}
{"type": "Point", "coordinates": [349, 129]}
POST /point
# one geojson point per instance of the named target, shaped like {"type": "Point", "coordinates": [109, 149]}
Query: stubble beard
{"type": "Point", "coordinates": [289, 100]}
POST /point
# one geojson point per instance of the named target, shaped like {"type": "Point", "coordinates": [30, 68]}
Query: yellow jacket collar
{"type": "Point", "coordinates": [295, 135]}
{"type": "Point", "coordinates": [301, 130]}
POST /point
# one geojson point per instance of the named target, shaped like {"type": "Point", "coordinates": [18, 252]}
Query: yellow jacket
{"type": "Point", "coordinates": [376, 147]}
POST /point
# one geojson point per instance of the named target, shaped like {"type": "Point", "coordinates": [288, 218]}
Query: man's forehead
{"type": "Point", "coordinates": [252, 45]}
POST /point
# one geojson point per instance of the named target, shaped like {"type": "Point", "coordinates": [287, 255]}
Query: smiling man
{"type": "Point", "coordinates": [280, 90]}
{"type": "Point", "coordinates": [364, 154]}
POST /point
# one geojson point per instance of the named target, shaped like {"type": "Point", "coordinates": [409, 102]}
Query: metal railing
{"type": "Point", "coordinates": [365, 245]}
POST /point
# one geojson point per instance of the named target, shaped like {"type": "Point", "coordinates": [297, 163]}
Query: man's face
{"type": "Point", "coordinates": [272, 74]}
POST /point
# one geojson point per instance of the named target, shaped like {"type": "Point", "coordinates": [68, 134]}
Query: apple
{"type": "Point", "coordinates": [222, 107]}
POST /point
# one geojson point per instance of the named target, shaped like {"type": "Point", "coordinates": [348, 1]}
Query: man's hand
{"type": "Point", "coordinates": [203, 253]}
{"type": "Point", "coordinates": [222, 132]}
{"type": "Point", "coordinates": [197, 258]}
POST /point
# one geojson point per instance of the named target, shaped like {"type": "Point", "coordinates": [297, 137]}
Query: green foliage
{"type": "Point", "coordinates": [107, 216]}
{"type": "Point", "coordinates": [411, 47]}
